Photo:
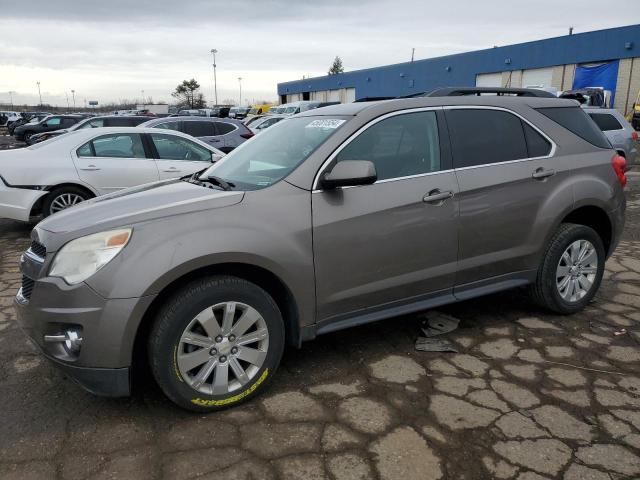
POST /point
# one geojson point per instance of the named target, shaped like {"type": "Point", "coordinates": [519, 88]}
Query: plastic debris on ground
{"type": "Point", "coordinates": [435, 324]}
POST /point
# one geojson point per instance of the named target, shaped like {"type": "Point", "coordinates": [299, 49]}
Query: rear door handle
{"type": "Point", "coordinates": [90, 168]}
{"type": "Point", "coordinates": [172, 170]}
{"type": "Point", "coordinates": [435, 196]}
{"type": "Point", "coordinates": [541, 173]}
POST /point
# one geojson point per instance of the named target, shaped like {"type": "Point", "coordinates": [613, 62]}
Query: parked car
{"type": "Point", "coordinates": [250, 120]}
{"type": "Point", "coordinates": [26, 117]}
{"type": "Point", "coordinates": [238, 112]}
{"type": "Point", "coordinates": [303, 106]}
{"type": "Point", "coordinates": [330, 219]}
{"type": "Point", "coordinates": [224, 134]}
{"type": "Point", "coordinates": [92, 122]}
{"type": "Point", "coordinates": [220, 112]}
{"type": "Point", "coordinates": [52, 176]}
{"type": "Point", "coordinates": [620, 133]}
{"type": "Point", "coordinates": [266, 122]}
{"type": "Point", "coordinates": [259, 109]}
{"type": "Point", "coordinates": [8, 117]}
{"type": "Point", "coordinates": [50, 123]}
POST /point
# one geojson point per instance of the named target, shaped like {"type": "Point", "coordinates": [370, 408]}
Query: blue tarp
{"type": "Point", "coordinates": [603, 75]}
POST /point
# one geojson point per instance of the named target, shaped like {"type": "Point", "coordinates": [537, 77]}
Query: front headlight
{"type": "Point", "coordinates": [84, 256]}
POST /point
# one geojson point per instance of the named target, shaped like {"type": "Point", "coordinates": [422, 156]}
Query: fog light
{"type": "Point", "coordinates": [71, 340]}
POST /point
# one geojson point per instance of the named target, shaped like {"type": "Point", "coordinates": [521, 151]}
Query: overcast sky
{"type": "Point", "coordinates": [111, 50]}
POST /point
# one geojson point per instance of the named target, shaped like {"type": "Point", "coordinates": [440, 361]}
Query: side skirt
{"type": "Point", "coordinates": [425, 302]}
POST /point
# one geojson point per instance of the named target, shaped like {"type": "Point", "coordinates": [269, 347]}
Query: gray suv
{"type": "Point", "coordinates": [337, 217]}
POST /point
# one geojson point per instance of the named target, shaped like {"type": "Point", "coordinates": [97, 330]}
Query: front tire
{"type": "Point", "coordinates": [571, 270]}
{"type": "Point", "coordinates": [216, 343]}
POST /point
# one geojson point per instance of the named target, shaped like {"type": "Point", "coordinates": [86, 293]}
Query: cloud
{"type": "Point", "coordinates": [113, 50]}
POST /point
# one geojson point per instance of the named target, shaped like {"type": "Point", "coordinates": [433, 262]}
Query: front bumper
{"type": "Point", "coordinates": [107, 326]}
{"type": "Point", "coordinates": [16, 203]}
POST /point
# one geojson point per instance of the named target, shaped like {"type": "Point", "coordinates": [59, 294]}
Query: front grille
{"type": "Point", "coordinates": [39, 249]}
{"type": "Point", "coordinates": [27, 287]}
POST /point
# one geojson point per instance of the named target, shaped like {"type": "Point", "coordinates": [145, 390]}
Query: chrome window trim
{"type": "Point", "coordinates": [506, 162]}
{"type": "Point", "coordinates": [315, 186]}
{"type": "Point", "coordinates": [551, 153]}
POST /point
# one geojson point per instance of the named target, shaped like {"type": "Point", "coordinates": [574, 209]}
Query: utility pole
{"type": "Point", "coordinates": [240, 83]}
{"type": "Point", "coordinates": [413, 51]}
{"type": "Point", "coordinates": [39, 94]}
{"type": "Point", "coordinates": [73, 94]}
{"type": "Point", "coordinates": [67, 95]}
{"type": "Point", "coordinates": [11, 92]}
{"type": "Point", "coordinates": [215, 80]}
{"type": "Point", "coordinates": [143, 102]}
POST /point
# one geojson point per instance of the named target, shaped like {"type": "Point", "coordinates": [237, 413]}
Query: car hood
{"type": "Point", "coordinates": [139, 204]}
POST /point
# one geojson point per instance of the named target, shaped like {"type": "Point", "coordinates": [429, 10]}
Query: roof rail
{"type": "Point", "coordinates": [461, 91]}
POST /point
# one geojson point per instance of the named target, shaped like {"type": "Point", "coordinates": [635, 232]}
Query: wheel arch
{"type": "Point", "coordinates": [593, 217]}
{"type": "Point", "coordinates": [261, 276]}
{"type": "Point", "coordinates": [37, 206]}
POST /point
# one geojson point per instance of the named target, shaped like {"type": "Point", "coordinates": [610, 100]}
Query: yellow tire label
{"type": "Point", "coordinates": [175, 363]}
{"type": "Point", "coordinates": [226, 401]}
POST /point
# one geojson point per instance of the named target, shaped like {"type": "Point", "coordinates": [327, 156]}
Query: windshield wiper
{"type": "Point", "coordinates": [220, 182]}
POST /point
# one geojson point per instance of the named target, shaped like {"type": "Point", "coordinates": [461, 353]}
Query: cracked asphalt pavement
{"type": "Point", "coordinates": [530, 396]}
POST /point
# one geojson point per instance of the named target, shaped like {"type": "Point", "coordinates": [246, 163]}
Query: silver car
{"type": "Point", "coordinates": [225, 134]}
{"type": "Point", "coordinates": [332, 218]}
{"type": "Point", "coordinates": [620, 133]}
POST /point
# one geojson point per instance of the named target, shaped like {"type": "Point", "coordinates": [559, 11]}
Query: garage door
{"type": "Point", "coordinates": [334, 96]}
{"type": "Point", "coordinates": [538, 77]}
{"type": "Point", "coordinates": [350, 95]}
{"type": "Point", "coordinates": [489, 80]}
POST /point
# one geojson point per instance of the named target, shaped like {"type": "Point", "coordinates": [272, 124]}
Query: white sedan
{"type": "Point", "coordinates": [63, 171]}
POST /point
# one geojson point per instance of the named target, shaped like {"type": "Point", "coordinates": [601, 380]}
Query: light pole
{"type": "Point", "coordinates": [215, 80]}
{"type": "Point", "coordinates": [67, 95]}
{"type": "Point", "coordinates": [39, 94]}
{"type": "Point", "coordinates": [240, 83]}
{"type": "Point", "coordinates": [143, 103]}
{"type": "Point", "coordinates": [73, 94]}
{"type": "Point", "coordinates": [11, 92]}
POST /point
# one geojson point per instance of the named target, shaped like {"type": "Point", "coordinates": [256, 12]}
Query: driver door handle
{"type": "Point", "coordinates": [172, 170]}
{"type": "Point", "coordinates": [436, 196]}
{"type": "Point", "coordinates": [542, 173]}
{"type": "Point", "coordinates": [90, 168]}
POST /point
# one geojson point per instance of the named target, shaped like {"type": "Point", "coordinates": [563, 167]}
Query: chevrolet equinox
{"type": "Point", "coordinates": [333, 218]}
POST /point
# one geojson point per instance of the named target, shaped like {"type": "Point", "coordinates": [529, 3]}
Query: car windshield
{"type": "Point", "coordinates": [272, 155]}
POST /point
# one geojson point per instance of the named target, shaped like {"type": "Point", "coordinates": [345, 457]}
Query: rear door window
{"type": "Point", "coordinates": [399, 146]}
{"type": "Point", "coordinates": [169, 126]}
{"type": "Point", "coordinates": [199, 129]}
{"type": "Point", "coordinates": [606, 121]}
{"type": "Point", "coordinates": [537, 145]}
{"type": "Point", "coordinates": [478, 137]}
{"type": "Point", "coordinates": [223, 128]}
{"type": "Point", "coordinates": [578, 122]}
{"type": "Point", "coordinates": [170, 147]}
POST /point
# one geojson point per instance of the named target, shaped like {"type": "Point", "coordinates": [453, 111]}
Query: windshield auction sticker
{"type": "Point", "coordinates": [326, 123]}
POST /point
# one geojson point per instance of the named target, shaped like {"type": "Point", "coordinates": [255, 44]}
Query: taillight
{"type": "Point", "coordinates": [619, 165]}
{"type": "Point", "coordinates": [634, 135]}
{"type": "Point", "coordinates": [247, 135]}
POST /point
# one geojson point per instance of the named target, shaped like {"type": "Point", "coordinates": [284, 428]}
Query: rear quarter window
{"type": "Point", "coordinates": [606, 121]}
{"type": "Point", "coordinates": [578, 122]}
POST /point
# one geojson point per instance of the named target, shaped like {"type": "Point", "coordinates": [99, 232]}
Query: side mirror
{"type": "Point", "coordinates": [215, 157]}
{"type": "Point", "coordinates": [349, 173]}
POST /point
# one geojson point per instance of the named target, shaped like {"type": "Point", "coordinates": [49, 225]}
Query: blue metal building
{"type": "Point", "coordinates": [550, 63]}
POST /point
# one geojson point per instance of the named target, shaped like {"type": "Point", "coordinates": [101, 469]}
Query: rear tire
{"type": "Point", "coordinates": [195, 357]}
{"type": "Point", "coordinates": [571, 270]}
{"type": "Point", "coordinates": [62, 198]}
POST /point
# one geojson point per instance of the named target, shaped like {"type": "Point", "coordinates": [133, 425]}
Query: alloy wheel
{"type": "Point", "coordinates": [223, 348]}
{"type": "Point", "coordinates": [576, 271]}
{"type": "Point", "coordinates": [64, 201]}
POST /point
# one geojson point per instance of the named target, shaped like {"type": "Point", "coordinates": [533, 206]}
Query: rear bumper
{"type": "Point", "coordinates": [617, 217]}
{"type": "Point", "coordinates": [16, 203]}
